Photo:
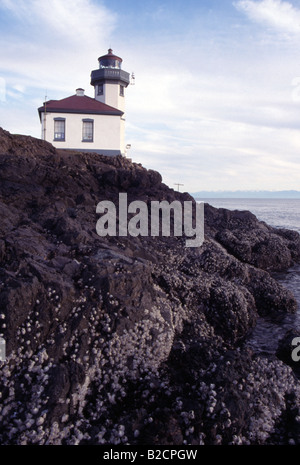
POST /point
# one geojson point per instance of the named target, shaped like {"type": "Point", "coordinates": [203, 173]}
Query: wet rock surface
{"type": "Point", "coordinates": [133, 340]}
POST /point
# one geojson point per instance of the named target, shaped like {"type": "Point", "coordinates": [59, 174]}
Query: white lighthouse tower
{"type": "Point", "coordinates": [110, 81]}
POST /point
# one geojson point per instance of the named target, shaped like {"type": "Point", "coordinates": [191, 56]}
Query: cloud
{"type": "Point", "coordinates": [47, 48]}
{"type": "Point", "coordinates": [73, 20]}
{"type": "Point", "coordinates": [224, 111]}
{"type": "Point", "coordinates": [279, 15]}
{"type": "Point", "coordinates": [50, 43]}
{"type": "Point", "coordinates": [81, 21]}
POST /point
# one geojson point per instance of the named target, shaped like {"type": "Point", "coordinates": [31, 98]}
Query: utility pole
{"type": "Point", "coordinates": [177, 184]}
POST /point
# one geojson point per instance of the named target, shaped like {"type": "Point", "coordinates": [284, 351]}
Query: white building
{"type": "Point", "coordinates": [95, 124]}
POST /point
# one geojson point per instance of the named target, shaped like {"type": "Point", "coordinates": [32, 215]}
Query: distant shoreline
{"type": "Point", "coordinates": [246, 195]}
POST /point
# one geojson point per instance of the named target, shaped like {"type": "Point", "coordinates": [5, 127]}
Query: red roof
{"type": "Point", "coordinates": [79, 104]}
{"type": "Point", "coordinates": [110, 55]}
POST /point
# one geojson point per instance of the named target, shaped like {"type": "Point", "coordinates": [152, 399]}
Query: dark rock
{"type": "Point", "coordinates": [132, 340]}
{"type": "Point", "coordinates": [253, 241]}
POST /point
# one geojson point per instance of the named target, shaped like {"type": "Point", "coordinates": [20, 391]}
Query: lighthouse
{"type": "Point", "coordinates": [97, 124]}
{"type": "Point", "coordinates": [110, 81]}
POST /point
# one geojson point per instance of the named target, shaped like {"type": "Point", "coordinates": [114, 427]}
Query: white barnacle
{"type": "Point", "coordinates": [111, 398]}
{"type": "Point", "coordinates": [40, 420]}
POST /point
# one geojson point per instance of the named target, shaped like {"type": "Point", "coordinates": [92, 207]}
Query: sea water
{"type": "Point", "coordinates": [279, 213]}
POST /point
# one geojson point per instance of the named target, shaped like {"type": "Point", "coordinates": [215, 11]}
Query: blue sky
{"type": "Point", "coordinates": [216, 103]}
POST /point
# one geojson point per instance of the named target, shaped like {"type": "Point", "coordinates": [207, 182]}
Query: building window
{"type": "Point", "coordinates": [59, 129]}
{"type": "Point", "coordinates": [87, 130]}
{"type": "Point", "coordinates": [100, 89]}
{"type": "Point", "coordinates": [122, 91]}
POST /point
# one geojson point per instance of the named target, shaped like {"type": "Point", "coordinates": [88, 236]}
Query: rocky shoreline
{"type": "Point", "coordinates": [133, 340]}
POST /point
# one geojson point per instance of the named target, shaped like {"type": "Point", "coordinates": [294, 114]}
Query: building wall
{"type": "Point", "coordinates": [111, 95]}
{"type": "Point", "coordinates": [122, 134]}
{"type": "Point", "coordinates": [108, 132]}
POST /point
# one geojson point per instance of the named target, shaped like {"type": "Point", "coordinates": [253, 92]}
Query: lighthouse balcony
{"type": "Point", "coordinates": [110, 74]}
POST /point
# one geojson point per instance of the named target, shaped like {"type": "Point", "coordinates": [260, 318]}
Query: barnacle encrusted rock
{"type": "Point", "coordinates": [132, 340]}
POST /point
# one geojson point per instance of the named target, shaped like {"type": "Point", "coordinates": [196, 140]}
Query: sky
{"type": "Point", "coordinates": [216, 100]}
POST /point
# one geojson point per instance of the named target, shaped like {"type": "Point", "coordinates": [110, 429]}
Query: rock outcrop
{"type": "Point", "coordinates": [133, 340]}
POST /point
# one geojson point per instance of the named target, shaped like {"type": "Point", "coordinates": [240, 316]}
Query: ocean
{"type": "Point", "coordinates": [280, 213]}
